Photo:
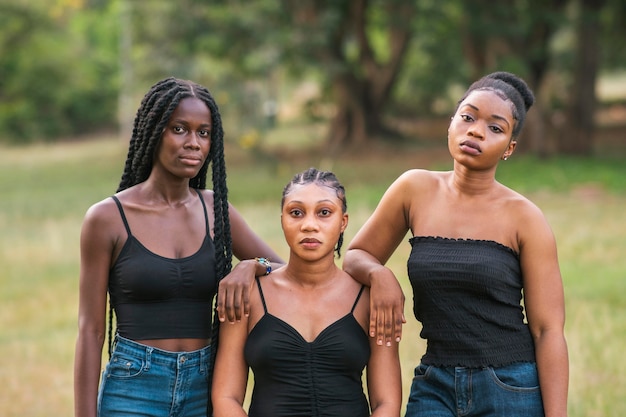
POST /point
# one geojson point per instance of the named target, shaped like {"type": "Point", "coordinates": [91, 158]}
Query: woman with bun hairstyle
{"type": "Point", "coordinates": [486, 283]}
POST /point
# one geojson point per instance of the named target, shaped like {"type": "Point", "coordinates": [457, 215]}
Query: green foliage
{"type": "Point", "coordinates": [562, 174]}
{"type": "Point", "coordinates": [57, 75]}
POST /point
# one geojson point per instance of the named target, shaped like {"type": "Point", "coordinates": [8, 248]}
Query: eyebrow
{"type": "Point", "coordinates": [326, 200]}
{"type": "Point", "coordinates": [495, 116]}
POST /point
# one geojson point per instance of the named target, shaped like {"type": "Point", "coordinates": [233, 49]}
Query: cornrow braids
{"type": "Point", "coordinates": [509, 87]}
{"type": "Point", "coordinates": [326, 179]}
{"type": "Point", "coordinates": [151, 119]}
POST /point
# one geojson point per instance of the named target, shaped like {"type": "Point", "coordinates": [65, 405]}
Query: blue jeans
{"type": "Point", "coordinates": [507, 391]}
{"type": "Point", "coordinates": [140, 380]}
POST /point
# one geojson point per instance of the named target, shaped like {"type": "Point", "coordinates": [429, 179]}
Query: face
{"type": "Point", "coordinates": [312, 220]}
{"type": "Point", "coordinates": [186, 139]}
{"type": "Point", "coordinates": [482, 128]}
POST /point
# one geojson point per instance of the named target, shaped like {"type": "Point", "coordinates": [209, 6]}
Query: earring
{"type": "Point", "coordinates": [504, 158]}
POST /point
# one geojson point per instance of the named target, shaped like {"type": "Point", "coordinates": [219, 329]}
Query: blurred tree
{"type": "Point", "coordinates": [361, 45]}
{"type": "Point", "coordinates": [357, 47]}
{"type": "Point", "coordinates": [515, 36]}
{"type": "Point", "coordinates": [576, 137]}
{"type": "Point", "coordinates": [56, 71]}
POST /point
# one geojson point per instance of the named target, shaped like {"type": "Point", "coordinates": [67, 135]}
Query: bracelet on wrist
{"type": "Point", "coordinates": [266, 264]}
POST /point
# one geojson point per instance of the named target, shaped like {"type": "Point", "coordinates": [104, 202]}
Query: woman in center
{"type": "Point", "coordinates": [305, 337]}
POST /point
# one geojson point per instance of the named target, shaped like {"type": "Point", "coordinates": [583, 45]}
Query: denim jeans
{"type": "Point", "coordinates": [507, 391]}
{"type": "Point", "coordinates": [141, 380]}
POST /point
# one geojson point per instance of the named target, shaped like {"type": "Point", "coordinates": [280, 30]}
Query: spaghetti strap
{"type": "Point", "coordinates": [357, 298]}
{"type": "Point", "coordinates": [119, 206]}
{"type": "Point", "coordinates": [258, 283]}
{"type": "Point", "coordinates": [206, 216]}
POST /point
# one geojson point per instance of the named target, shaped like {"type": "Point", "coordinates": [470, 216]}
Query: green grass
{"type": "Point", "coordinates": [45, 190]}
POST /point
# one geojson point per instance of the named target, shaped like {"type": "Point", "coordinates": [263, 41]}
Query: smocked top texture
{"type": "Point", "coordinates": [467, 295]}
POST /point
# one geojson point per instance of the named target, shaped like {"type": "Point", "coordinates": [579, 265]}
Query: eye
{"type": "Point", "coordinates": [496, 129]}
{"type": "Point", "coordinates": [466, 117]}
{"type": "Point", "coordinates": [178, 129]}
{"type": "Point", "coordinates": [295, 213]}
{"type": "Point", "coordinates": [205, 133]}
{"type": "Point", "coordinates": [325, 212]}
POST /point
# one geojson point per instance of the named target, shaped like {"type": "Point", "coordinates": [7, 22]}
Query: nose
{"type": "Point", "coordinates": [192, 141]}
{"type": "Point", "coordinates": [477, 129]}
{"type": "Point", "coordinates": [309, 223]}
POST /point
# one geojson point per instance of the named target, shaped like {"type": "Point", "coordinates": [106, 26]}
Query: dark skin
{"type": "Point", "coordinates": [167, 217]}
{"type": "Point", "coordinates": [469, 203]}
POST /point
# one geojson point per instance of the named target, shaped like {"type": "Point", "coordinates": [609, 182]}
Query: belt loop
{"type": "Point", "coordinates": [149, 350]}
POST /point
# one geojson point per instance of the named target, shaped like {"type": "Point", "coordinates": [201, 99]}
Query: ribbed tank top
{"type": "Point", "coordinates": [467, 295]}
{"type": "Point", "coordinates": [155, 297]}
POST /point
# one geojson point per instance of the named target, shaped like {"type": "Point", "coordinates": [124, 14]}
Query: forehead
{"type": "Point", "coordinates": [311, 192]}
{"type": "Point", "coordinates": [489, 101]}
{"type": "Point", "coordinates": [192, 108]}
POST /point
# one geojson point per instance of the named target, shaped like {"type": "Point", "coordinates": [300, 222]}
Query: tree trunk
{"type": "Point", "coordinates": [577, 138]}
{"type": "Point", "coordinates": [362, 92]}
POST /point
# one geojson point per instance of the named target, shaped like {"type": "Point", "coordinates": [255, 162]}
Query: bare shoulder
{"type": "Point", "coordinates": [519, 205]}
{"type": "Point", "coordinates": [102, 211]}
{"type": "Point", "coordinates": [420, 177]}
{"type": "Point", "coordinates": [416, 181]}
{"type": "Point", "coordinates": [529, 218]}
{"type": "Point", "coordinates": [103, 222]}
{"type": "Point", "coordinates": [207, 195]}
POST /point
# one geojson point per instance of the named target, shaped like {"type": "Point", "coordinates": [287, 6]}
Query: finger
{"type": "Point", "coordinates": [237, 303]}
{"type": "Point", "coordinates": [389, 326]}
{"type": "Point", "coordinates": [230, 307]}
{"type": "Point", "coordinates": [220, 306]}
{"type": "Point", "coordinates": [399, 321]}
{"type": "Point", "coordinates": [380, 327]}
{"type": "Point", "coordinates": [246, 302]}
{"type": "Point", "coordinates": [372, 330]}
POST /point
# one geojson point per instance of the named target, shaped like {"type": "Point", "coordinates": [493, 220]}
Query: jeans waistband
{"type": "Point", "coordinates": [154, 355]}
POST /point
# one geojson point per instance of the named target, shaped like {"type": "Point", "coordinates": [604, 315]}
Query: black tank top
{"type": "Point", "coordinates": [162, 298]}
{"type": "Point", "coordinates": [293, 377]}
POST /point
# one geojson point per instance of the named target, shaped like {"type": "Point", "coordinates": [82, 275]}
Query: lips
{"type": "Point", "coordinates": [191, 159]}
{"type": "Point", "coordinates": [471, 145]}
{"type": "Point", "coordinates": [310, 243]}
{"type": "Point", "coordinates": [309, 240]}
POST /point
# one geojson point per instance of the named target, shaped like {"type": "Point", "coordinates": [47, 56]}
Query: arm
{"type": "Point", "coordinates": [545, 307]}
{"type": "Point", "coordinates": [95, 258]}
{"type": "Point", "coordinates": [233, 297]}
{"type": "Point", "coordinates": [230, 375]}
{"type": "Point", "coordinates": [370, 249]}
{"type": "Point", "coordinates": [384, 382]}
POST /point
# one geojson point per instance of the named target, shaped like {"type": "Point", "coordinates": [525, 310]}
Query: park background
{"type": "Point", "coordinates": [364, 88]}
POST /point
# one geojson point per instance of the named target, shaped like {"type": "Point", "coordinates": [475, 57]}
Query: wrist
{"type": "Point", "coordinates": [265, 265]}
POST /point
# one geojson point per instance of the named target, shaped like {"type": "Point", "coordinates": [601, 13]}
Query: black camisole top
{"type": "Point", "coordinates": [296, 378]}
{"type": "Point", "coordinates": [155, 297]}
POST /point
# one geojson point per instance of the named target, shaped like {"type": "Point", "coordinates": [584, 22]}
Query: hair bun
{"type": "Point", "coordinates": [517, 83]}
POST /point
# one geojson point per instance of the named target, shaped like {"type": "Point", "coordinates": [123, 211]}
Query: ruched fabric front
{"type": "Point", "coordinates": [294, 377]}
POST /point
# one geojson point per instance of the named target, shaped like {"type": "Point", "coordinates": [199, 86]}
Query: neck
{"type": "Point", "coordinates": [470, 182]}
{"type": "Point", "coordinates": [311, 274]}
{"type": "Point", "coordinates": [168, 193]}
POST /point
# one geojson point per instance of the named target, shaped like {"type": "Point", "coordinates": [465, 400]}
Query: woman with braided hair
{"type": "Point", "coordinates": [159, 247]}
{"type": "Point", "coordinates": [305, 336]}
{"type": "Point", "coordinates": [481, 255]}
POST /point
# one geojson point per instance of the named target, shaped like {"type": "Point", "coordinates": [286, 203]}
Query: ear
{"type": "Point", "coordinates": [510, 149]}
{"type": "Point", "coordinates": [344, 222]}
